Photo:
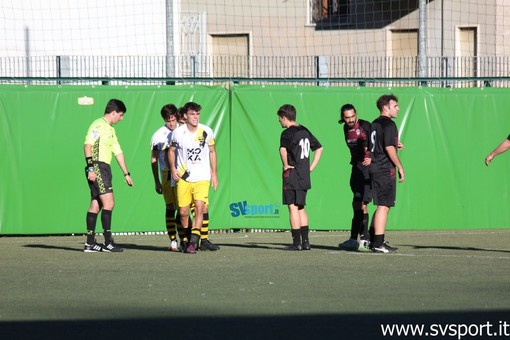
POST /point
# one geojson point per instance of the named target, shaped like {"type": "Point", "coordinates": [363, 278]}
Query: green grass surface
{"type": "Point", "coordinates": [251, 288]}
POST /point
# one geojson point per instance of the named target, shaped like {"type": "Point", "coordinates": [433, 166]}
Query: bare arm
{"type": "Point", "coordinates": [122, 164]}
{"type": "Point", "coordinates": [283, 156]}
{"type": "Point", "coordinates": [171, 163]}
{"type": "Point", "coordinates": [316, 158]}
{"type": "Point", "coordinates": [155, 171]}
{"type": "Point", "coordinates": [214, 170]}
{"type": "Point", "coordinates": [504, 146]}
{"type": "Point", "coordinates": [392, 154]}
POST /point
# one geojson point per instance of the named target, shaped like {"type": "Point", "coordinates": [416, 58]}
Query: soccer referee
{"type": "Point", "coordinates": [100, 143]}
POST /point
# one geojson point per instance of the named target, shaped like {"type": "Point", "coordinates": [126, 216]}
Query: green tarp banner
{"type": "Point", "coordinates": [446, 133]}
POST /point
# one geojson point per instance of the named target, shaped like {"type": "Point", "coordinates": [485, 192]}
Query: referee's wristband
{"type": "Point", "coordinates": [128, 174]}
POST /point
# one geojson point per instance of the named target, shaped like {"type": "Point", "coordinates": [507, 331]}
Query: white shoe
{"type": "Point", "coordinates": [174, 246]}
{"type": "Point", "coordinates": [350, 244]}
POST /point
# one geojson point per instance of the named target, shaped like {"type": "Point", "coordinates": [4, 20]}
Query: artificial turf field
{"type": "Point", "coordinates": [252, 288]}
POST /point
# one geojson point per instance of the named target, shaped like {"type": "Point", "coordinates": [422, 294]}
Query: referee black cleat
{"type": "Point", "coordinates": [112, 248]}
{"type": "Point", "coordinates": [92, 248]}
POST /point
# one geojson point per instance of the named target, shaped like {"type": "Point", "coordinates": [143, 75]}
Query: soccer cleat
{"type": "Point", "coordinates": [191, 248]}
{"type": "Point", "coordinates": [183, 246]}
{"type": "Point", "coordinates": [112, 248]}
{"type": "Point", "coordinates": [350, 244]}
{"type": "Point", "coordinates": [294, 247]}
{"type": "Point", "coordinates": [385, 249]}
{"type": "Point", "coordinates": [92, 248]}
{"type": "Point", "coordinates": [174, 246]}
{"type": "Point", "coordinates": [364, 246]}
{"type": "Point", "coordinates": [207, 245]}
{"type": "Point", "coordinates": [306, 245]}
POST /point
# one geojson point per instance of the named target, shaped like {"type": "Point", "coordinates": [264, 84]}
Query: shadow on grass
{"type": "Point", "coordinates": [47, 246]}
{"type": "Point", "coordinates": [273, 246]}
{"type": "Point", "coordinates": [440, 325]}
{"type": "Point", "coordinates": [123, 245]}
{"type": "Point", "coordinates": [456, 248]}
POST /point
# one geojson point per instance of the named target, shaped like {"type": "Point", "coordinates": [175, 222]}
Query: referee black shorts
{"type": "Point", "coordinates": [103, 183]}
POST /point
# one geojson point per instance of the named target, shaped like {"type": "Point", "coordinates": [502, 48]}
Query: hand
{"type": "Point", "coordinates": [214, 182]}
{"type": "Point", "coordinates": [129, 181]}
{"type": "Point", "coordinates": [400, 146]}
{"type": "Point", "coordinates": [91, 176]}
{"type": "Point", "coordinates": [489, 159]}
{"type": "Point", "coordinates": [367, 161]}
{"type": "Point", "coordinates": [175, 175]}
{"type": "Point", "coordinates": [401, 175]}
{"type": "Point", "coordinates": [287, 167]}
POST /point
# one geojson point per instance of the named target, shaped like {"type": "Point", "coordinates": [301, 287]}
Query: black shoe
{"type": "Point", "coordinates": [294, 247]}
{"type": "Point", "coordinates": [207, 245]}
{"type": "Point", "coordinates": [306, 245]}
{"type": "Point", "coordinates": [182, 247]}
{"type": "Point", "coordinates": [92, 248]}
{"type": "Point", "coordinates": [112, 248]}
{"type": "Point", "coordinates": [385, 249]}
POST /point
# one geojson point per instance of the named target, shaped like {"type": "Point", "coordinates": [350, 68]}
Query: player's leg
{"type": "Point", "coordinates": [303, 219]}
{"type": "Point", "coordinates": [91, 220]}
{"type": "Point", "coordinates": [205, 243]}
{"type": "Point", "coordinates": [295, 225]}
{"type": "Point", "coordinates": [108, 203]}
{"type": "Point", "coordinates": [170, 211]}
{"type": "Point", "coordinates": [184, 200]}
{"type": "Point", "coordinates": [357, 218]}
{"type": "Point", "coordinates": [384, 198]}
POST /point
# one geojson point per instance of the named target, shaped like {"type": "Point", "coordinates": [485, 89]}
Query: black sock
{"type": "Point", "coordinates": [364, 235]}
{"type": "Point", "coordinates": [356, 223]}
{"type": "Point", "coordinates": [296, 236]}
{"type": "Point", "coordinates": [91, 227]}
{"type": "Point", "coordinates": [378, 240]}
{"type": "Point", "coordinates": [195, 236]}
{"type": "Point", "coordinates": [106, 221]}
{"type": "Point", "coordinates": [304, 233]}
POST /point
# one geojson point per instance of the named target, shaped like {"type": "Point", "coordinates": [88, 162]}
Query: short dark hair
{"type": "Point", "coordinates": [288, 111]}
{"type": "Point", "coordinates": [181, 112]}
{"type": "Point", "coordinates": [168, 110]}
{"type": "Point", "coordinates": [115, 105]}
{"type": "Point", "coordinates": [192, 106]}
{"type": "Point", "coordinates": [385, 100]}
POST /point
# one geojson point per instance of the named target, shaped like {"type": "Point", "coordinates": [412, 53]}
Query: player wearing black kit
{"type": "Point", "coordinates": [356, 133]}
{"type": "Point", "coordinates": [383, 146]}
{"type": "Point", "coordinates": [296, 142]}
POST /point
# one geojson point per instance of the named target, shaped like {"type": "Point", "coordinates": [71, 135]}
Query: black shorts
{"type": "Point", "coordinates": [296, 197]}
{"type": "Point", "coordinates": [361, 185]}
{"type": "Point", "coordinates": [103, 182]}
{"type": "Point", "coordinates": [384, 188]}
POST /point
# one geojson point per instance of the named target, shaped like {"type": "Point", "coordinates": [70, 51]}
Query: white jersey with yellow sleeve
{"type": "Point", "coordinates": [192, 152]}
